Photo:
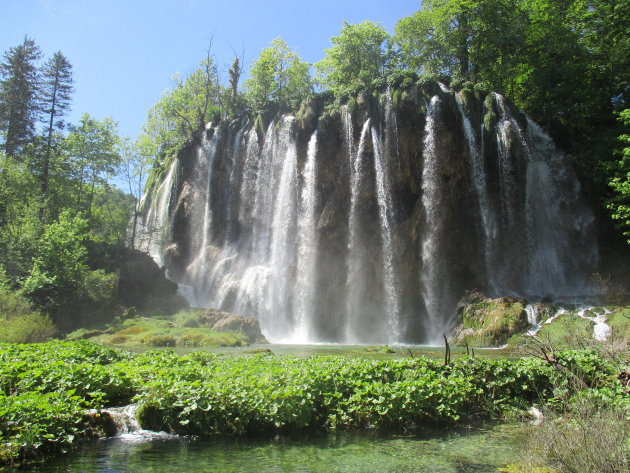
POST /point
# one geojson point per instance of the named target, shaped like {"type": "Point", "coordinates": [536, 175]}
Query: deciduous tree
{"type": "Point", "coordinates": [94, 156]}
{"type": "Point", "coordinates": [358, 56]}
{"type": "Point", "coordinates": [278, 76]}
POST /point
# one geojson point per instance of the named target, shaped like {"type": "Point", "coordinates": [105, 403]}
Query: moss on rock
{"type": "Point", "coordinates": [489, 322]}
{"type": "Point", "coordinates": [491, 117]}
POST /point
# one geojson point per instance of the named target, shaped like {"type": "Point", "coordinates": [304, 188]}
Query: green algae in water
{"type": "Point", "coordinates": [463, 451]}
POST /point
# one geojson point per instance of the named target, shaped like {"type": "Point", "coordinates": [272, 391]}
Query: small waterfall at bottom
{"type": "Point", "coordinates": [121, 422]}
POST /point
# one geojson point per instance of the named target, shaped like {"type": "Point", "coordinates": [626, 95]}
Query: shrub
{"type": "Point", "coordinates": [187, 318]}
{"type": "Point", "coordinates": [32, 327]}
{"type": "Point", "coordinates": [100, 286]}
{"type": "Point", "coordinates": [118, 339]}
{"type": "Point", "coordinates": [160, 341]}
{"type": "Point", "coordinates": [12, 303]}
{"type": "Point", "coordinates": [591, 438]}
{"type": "Point", "coordinates": [133, 330]}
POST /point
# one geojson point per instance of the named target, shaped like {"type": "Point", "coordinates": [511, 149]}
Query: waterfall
{"type": "Point", "coordinates": [356, 285]}
{"type": "Point", "coordinates": [385, 209]}
{"type": "Point", "coordinates": [199, 269]}
{"type": "Point", "coordinates": [264, 277]}
{"type": "Point", "coordinates": [555, 265]}
{"type": "Point", "coordinates": [533, 317]}
{"type": "Point", "coordinates": [328, 233]}
{"type": "Point", "coordinates": [283, 242]}
{"type": "Point", "coordinates": [248, 180]}
{"type": "Point", "coordinates": [480, 184]}
{"type": "Point", "coordinates": [126, 425]}
{"type": "Point", "coordinates": [152, 229]}
{"type": "Point", "coordinates": [307, 247]}
{"type": "Point", "coordinates": [435, 283]}
{"type": "Point", "coordinates": [506, 135]}
{"type": "Point", "coordinates": [233, 186]}
{"type": "Point", "coordinates": [124, 418]}
{"type": "Point", "coordinates": [391, 130]}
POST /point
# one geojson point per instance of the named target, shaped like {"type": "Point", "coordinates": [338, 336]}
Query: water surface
{"type": "Point", "coordinates": [464, 451]}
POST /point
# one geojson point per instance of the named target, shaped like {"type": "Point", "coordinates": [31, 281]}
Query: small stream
{"type": "Point", "coordinates": [429, 451]}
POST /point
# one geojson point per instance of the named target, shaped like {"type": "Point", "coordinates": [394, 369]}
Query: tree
{"type": "Point", "coordinates": [59, 267]}
{"type": "Point", "coordinates": [467, 40]}
{"type": "Point", "coordinates": [235, 75]}
{"type": "Point", "coordinates": [56, 90]}
{"type": "Point", "coordinates": [278, 76]}
{"type": "Point", "coordinates": [619, 171]}
{"type": "Point", "coordinates": [419, 37]}
{"type": "Point", "coordinates": [20, 207]}
{"type": "Point", "coordinates": [60, 281]}
{"type": "Point", "coordinates": [93, 154]}
{"type": "Point", "coordinates": [18, 96]}
{"type": "Point", "coordinates": [358, 56]}
{"type": "Point", "coordinates": [234, 102]}
{"type": "Point", "coordinates": [185, 108]}
{"type": "Point", "coordinates": [554, 85]}
{"type": "Point", "coordinates": [137, 157]}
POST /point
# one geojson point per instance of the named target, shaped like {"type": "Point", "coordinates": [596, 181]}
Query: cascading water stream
{"type": "Point", "coordinates": [201, 265]}
{"type": "Point", "coordinates": [234, 178]}
{"type": "Point", "coordinates": [391, 131]}
{"type": "Point", "coordinates": [248, 181]}
{"type": "Point", "coordinates": [307, 248]}
{"type": "Point", "coordinates": [258, 192]}
{"type": "Point", "coordinates": [283, 243]}
{"type": "Point", "coordinates": [151, 232]}
{"type": "Point", "coordinates": [356, 283]}
{"type": "Point", "coordinates": [507, 131]}
{"type": "Point", "coordinates": [434, 280]}
{"type": "Point", "coordinates": [478, 174]}
{"type": "Point", "coordinates": [385, 210]}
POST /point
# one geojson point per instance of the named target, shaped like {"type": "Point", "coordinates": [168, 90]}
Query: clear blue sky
{"type": "Point", "coordinates": [124, 52]}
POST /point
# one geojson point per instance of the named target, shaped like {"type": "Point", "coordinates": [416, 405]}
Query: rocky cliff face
{"type": "Point", "coordinates": [365, 223]}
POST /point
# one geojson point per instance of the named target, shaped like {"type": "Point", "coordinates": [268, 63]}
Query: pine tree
{"type": "Point", "coordinates": [56, 90]}
{"type": "Point", "coordinates": [18, 96]}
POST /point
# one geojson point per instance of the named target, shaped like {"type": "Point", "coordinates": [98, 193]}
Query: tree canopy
{"type": "Point", "coordinates": [358, 56]}
{"type": "Point", "coordinates": [278, 76]}
{"type": "Point", "coordinates": [619, 202]}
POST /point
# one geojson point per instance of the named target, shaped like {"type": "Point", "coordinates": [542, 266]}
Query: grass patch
{"type": "Point", "coordinates": [566, 328]}
{"type": "Point", "coordinates": [379, 349]}
{"type": "Point", "coordinates": [183, 329]}
{"type": "Point", "coordinates": [589, 437]}
{"type": "Point", "coordinates": [619, 321]}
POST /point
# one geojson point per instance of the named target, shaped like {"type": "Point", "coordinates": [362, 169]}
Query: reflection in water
{"type": "Point", "coordinates": [473, 451]}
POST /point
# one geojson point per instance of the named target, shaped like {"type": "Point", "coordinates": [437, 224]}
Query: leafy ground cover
{"type": "Point", "coordinates": [46, 389]}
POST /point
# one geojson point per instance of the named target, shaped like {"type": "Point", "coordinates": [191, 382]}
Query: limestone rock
{"type": "Point", "coordinates": [142, 284]}
{"type": "Point", "coordinates": [227, 322]}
